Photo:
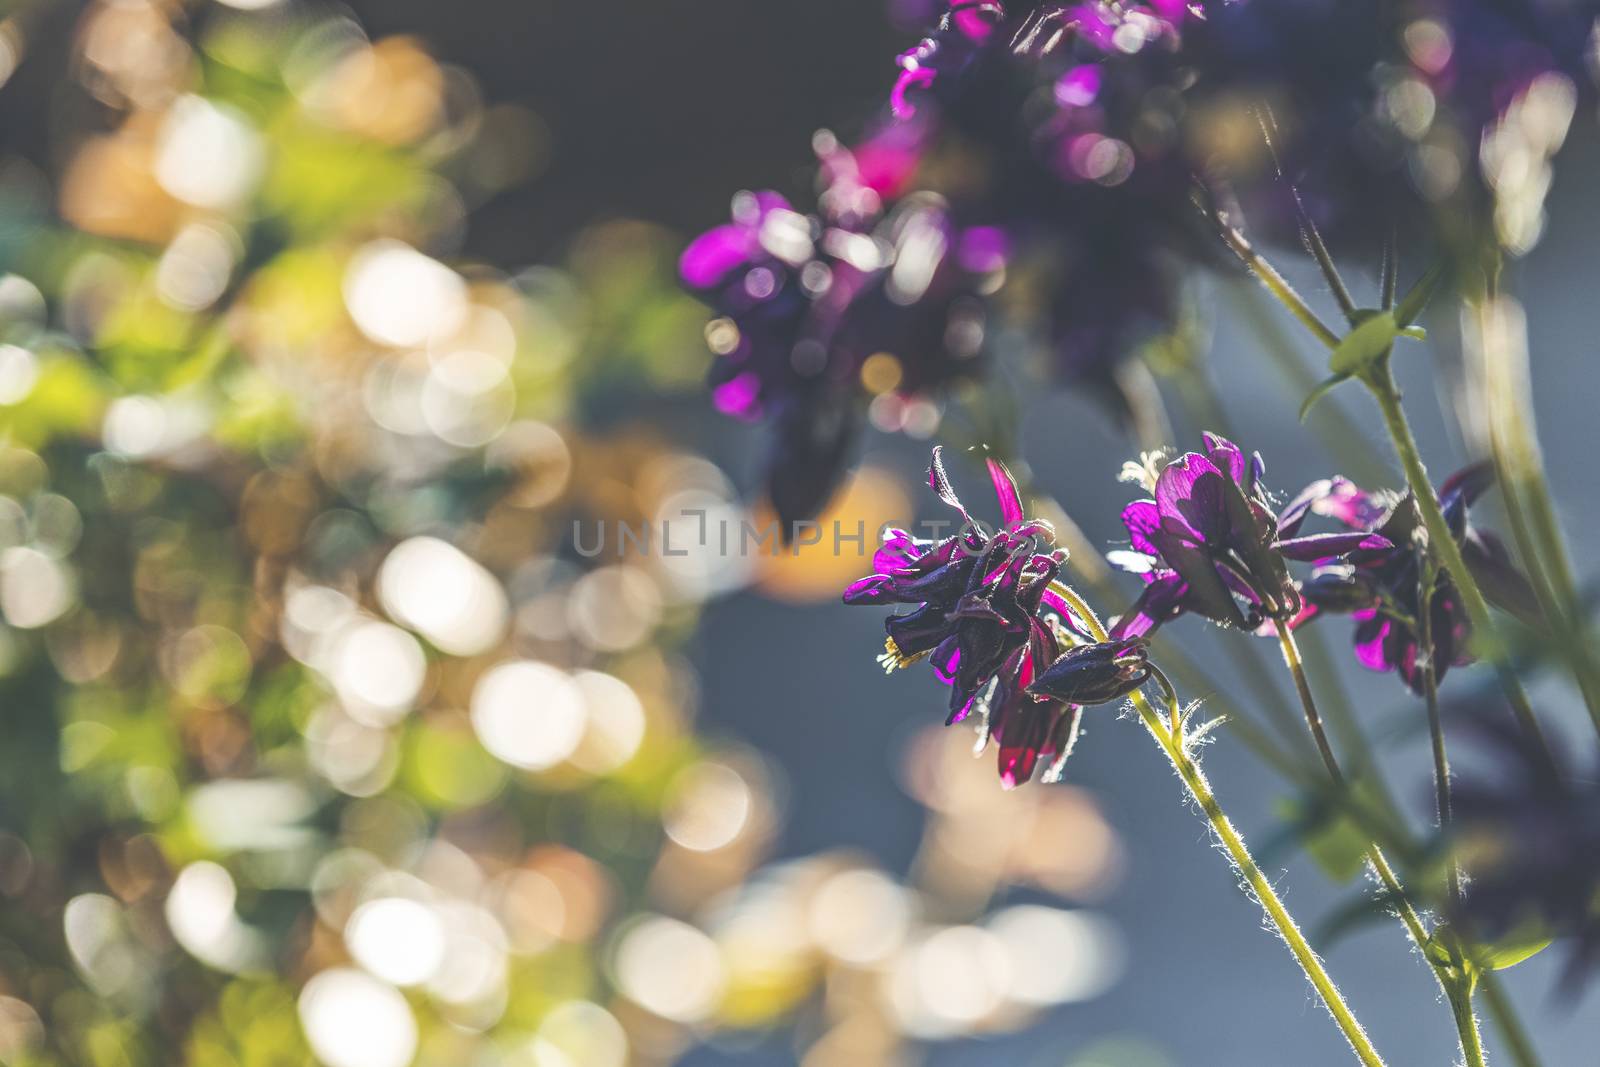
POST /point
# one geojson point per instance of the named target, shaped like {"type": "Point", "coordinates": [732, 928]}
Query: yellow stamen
{"type": "Point", "coordinates": [893, 659]}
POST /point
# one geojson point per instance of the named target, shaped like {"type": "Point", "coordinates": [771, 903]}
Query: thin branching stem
{"type": "Point", "coordinates": [1309, 234]}
{"type": "Point", "coordinates": [1518, 1044]}
{"type": "Point", "coordinates": [1275, 282]}
{"type": "Point", "coordinates": [1382, 385]}
{"type": "Point", "coordinates": [1169, 734]}
{"type": "Point", "coordinates": [1456, 989]}
{"type": "Point", "coordinates": [1430, 696]}
{"type": "Point", "coordinates": [1442, 543]}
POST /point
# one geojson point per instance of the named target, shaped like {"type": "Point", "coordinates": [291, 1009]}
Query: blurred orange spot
{"type": "Point", "coordinates": [110, 187]}
{"type": "Point", "coordinates": [837, 548]}
{"type": "Point", "coordinates": [391, 92]}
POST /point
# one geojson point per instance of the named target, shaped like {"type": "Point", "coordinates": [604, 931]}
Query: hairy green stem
{"type": "Point", "coordinates": [1460, 996]}
{"type": "Point", "coordinates": [1276, 283]}
{"type": "Point", "coordinates": [1457, 990]}
{"type": "Point", "coordinates": [1168, 733]}
{"type": "Point", "coordinates": [1383, 387]}
{"type": "Point", "coordinates": [1195, 781]}
{"type": "Point", "coordinates": [1518, 1044]}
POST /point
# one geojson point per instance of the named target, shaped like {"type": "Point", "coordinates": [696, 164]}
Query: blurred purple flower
{"type": "Point", "coordinates": [1384, 116]}
{"type": "Point", "coordinates": [1528, 837]}
{"type": "Point", "coordinates": [1071, 112]}
{"type": "Point", "coordinates": [805, 300]}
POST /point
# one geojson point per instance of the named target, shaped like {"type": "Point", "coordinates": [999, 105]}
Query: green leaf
{"type": "Point", "coordinates": [1332, 839]}
{"type": "Point", "coordinates": [1525, 940]}
{"type": "Point", "coordinates": [1323, 388]}
{"type": "Point", "coordinates": [1365, 344]}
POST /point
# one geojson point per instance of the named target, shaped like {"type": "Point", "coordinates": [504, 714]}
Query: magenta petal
{"type": "Point", "coordinates": [873, 589]}
{"type": "Point", "coordinates": [1189, 492]}
{"type": "Point", "coordinates": [1371, 636]}
{"type": "Point", "coordinates": [1295, 512]}
{"type": "Point", "coordinates": [946, 660]}
{"type": "Point", "coordinates": [1005, 488]}
{"type": "Point", "coordinates": [912, 78]}
{"type": "Point", "coordinates": [714, 254]}
{"type": "Point", "coordinates": [1142, 518]}
{"type": "Point", "coordinates": [939, 482]}
{"type": "Point", "coordinates": [1016, 764]}
{"type": "Point", "coordinates": [1345, 502]}
{"type": "Point", "coordinates": [1154, 607]}
{"type": "Point", "coordinates": [1069, 618]}
{"type": "Point", "coordinates": [897, 552]}
{"type": "Point", "coordinates": [1325, 546]}
{"type": "Point", "coordinates": [1226, 455]}
{"type": "Point", "coordinates": [963, 711]}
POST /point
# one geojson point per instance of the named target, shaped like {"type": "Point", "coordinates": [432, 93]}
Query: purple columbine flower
{"type": "Point", "coordinates": [1210, 543]}
{"type": "Point", "coordinates": [1379, 585]}
{"type": "Point", "coordinates": [986, 619]}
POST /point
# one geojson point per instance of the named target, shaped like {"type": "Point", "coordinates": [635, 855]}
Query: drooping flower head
{"type": "Point", "coordinates": [985, 617]}
{"type": "Point", "coordinates": [806, 301]}
{"type": "Point", "coordinates": [1210, 543]}
{"type": "Point", "coordinates": [1380, 586]}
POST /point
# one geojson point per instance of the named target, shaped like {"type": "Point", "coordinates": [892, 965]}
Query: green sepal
{"type": "Point", "coordinates": [1322, 389]}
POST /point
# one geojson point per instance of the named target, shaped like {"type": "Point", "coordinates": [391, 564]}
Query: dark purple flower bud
{"type": "Point", "coordinates": [1095, 674]}
{"type": "Point", "coordinates": [1339, 589]}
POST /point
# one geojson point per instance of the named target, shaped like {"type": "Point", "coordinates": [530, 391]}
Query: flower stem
{"type": "Point", "coordinates": [1457, 990]}
{"type": "Point", "coordinates": [1194, 780]}
{"type": "Point", "coordinates": [1504, 1014]}
{"type": "Point", "coordinates": [1171, 741]}
{"type": "Point", "coordinates": [1380, 864]}
{"type": "Point", "coordinates": [1297, 669]}
{"type": "Point", "coordinates": [1430, 694]}
{"type": "Point", "coordinates": [1276, 283]}
{"type": "Point", "coordinates": [1460, 996]}
{"type": "Point", "coordinates": [1442, 543]}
